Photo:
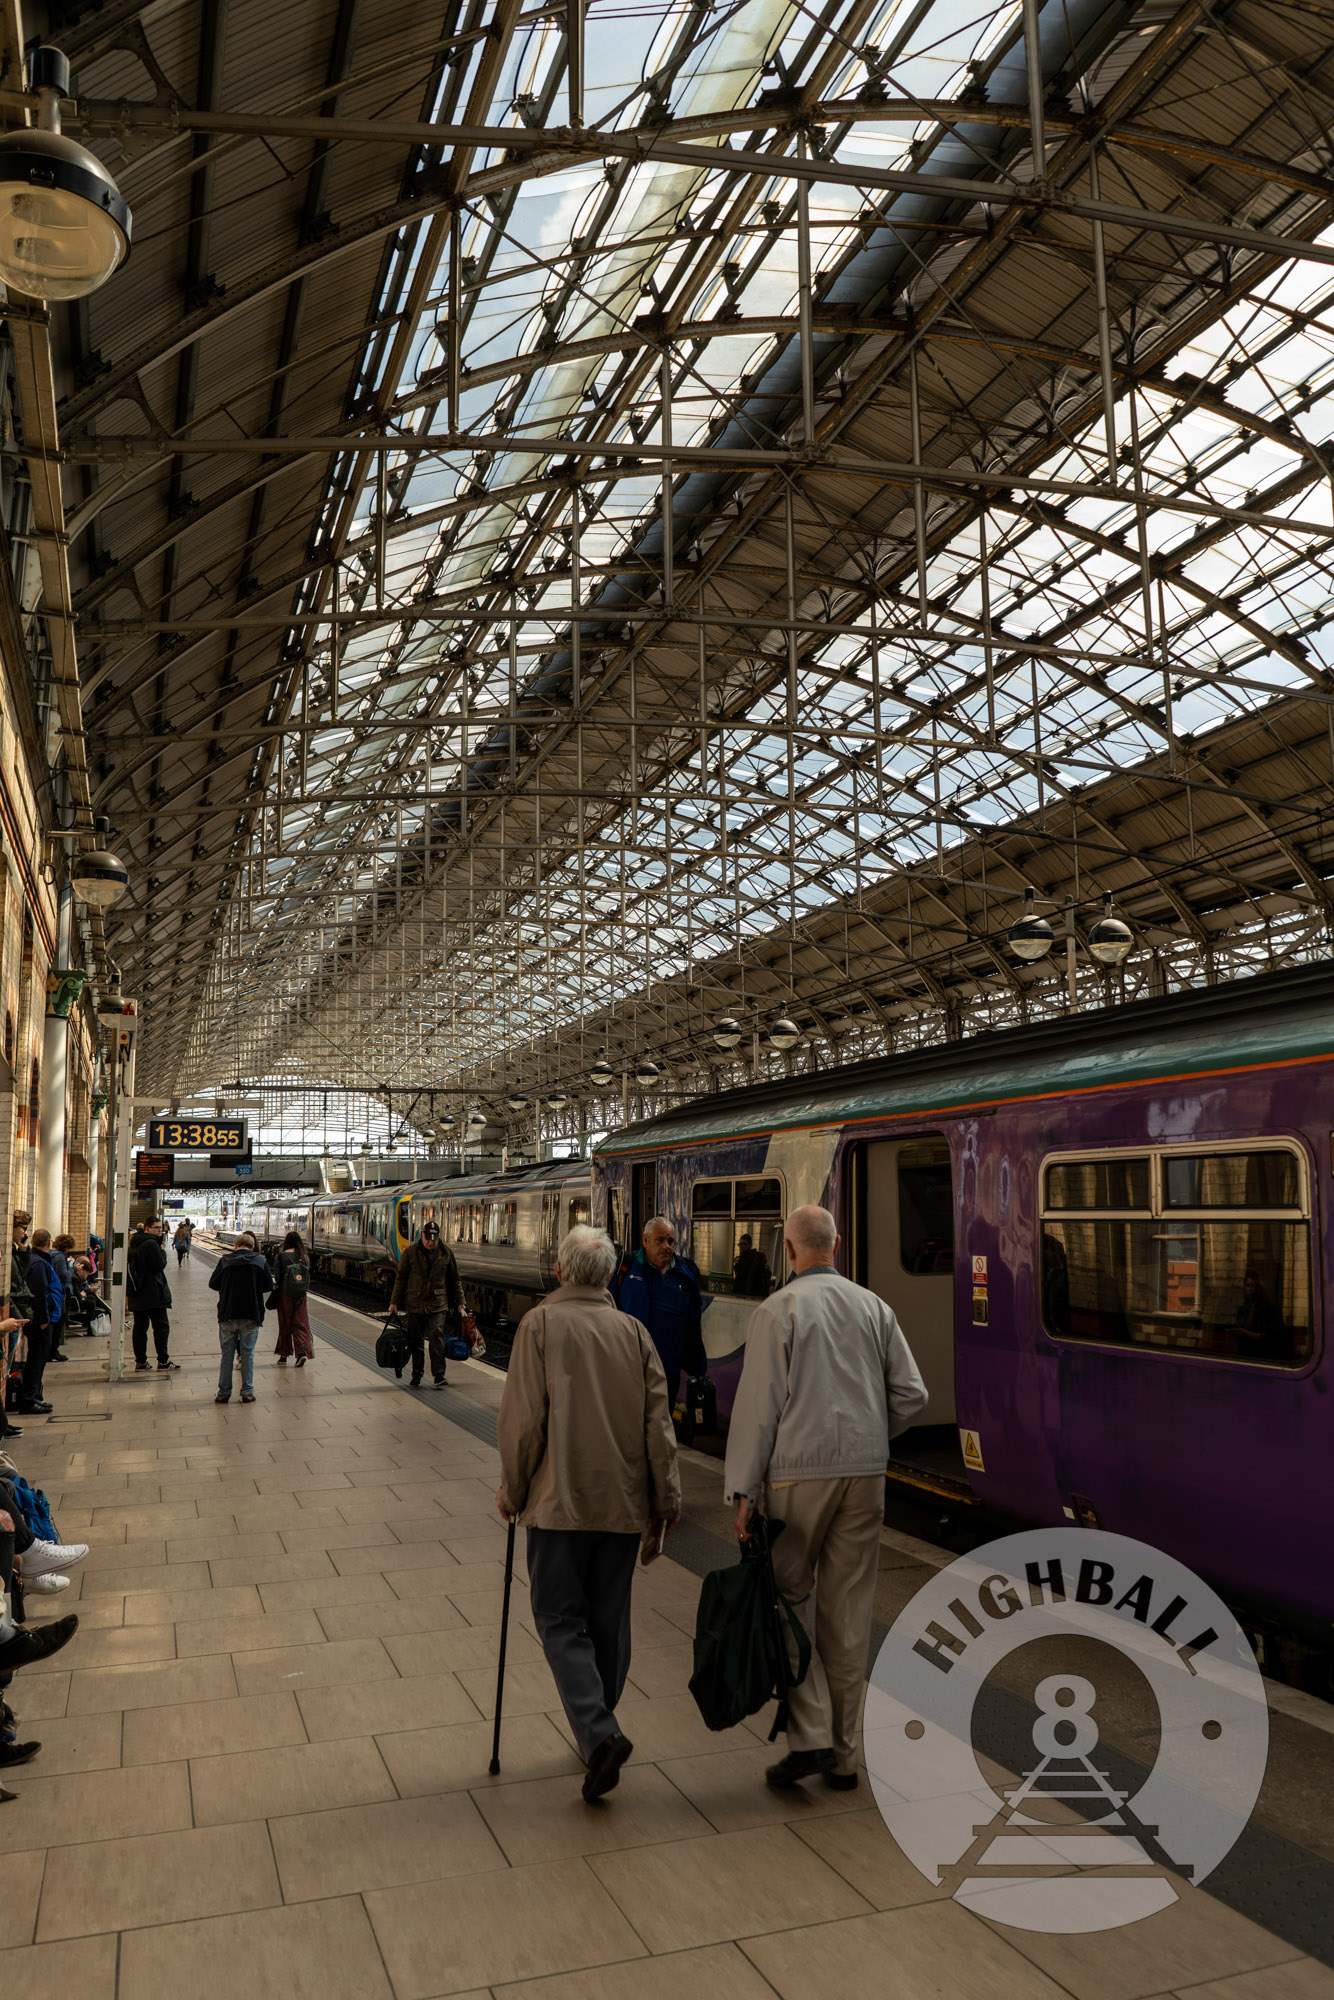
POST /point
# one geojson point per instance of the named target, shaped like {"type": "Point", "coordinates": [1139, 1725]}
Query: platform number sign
{"type": "Point", "coordinates": [197, 1135]}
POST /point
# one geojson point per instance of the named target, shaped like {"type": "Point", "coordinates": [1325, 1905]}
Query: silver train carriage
{"type": "Point", "coordinates": [502, 1228]}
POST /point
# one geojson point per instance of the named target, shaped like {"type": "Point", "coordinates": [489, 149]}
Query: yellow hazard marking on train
{"type": "Point", "coordinates": [972, 1451]}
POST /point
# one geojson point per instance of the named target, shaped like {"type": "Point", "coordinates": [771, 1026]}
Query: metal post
{"type": "Point", "coordinates": [1036, 89]}
{"type": "Point", "coordinates": [1070, 946]}
{"type": "Point", "coordinates": [574, 57]}
{"type": "Point", "coordinates": [1104, 326]}
{"type": "Point", "coordinates": [804, 302]}
{"type": "Point", "coordinates": [118, 1239]}
{"type": "Point", "coordinates": [668, 537]}
{"type": "Point", "coordinates": [50, 1202]}
{"type": "Point", "coordinates": [454, 323]}
{"type": "Point", "coordinates": [918, 497]}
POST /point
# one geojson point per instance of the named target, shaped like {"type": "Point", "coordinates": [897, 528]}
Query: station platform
{"type": "Point", "coordinates": [264, 1765]}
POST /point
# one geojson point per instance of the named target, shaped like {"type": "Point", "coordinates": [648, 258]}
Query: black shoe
{"type": "Point", "coordinates": [17, 1753]}
{"type": "Point", "coordinates": [439, 1382]}
{"type": "Point", "coordinates": [141, 1368]}
{"type": "Point", "coordinates": [167, 1367]}
{"type": "Point", "coordinates": [36, 1409]}
{"type": "Point", "coordinates": [841, 1781]}
{"type": "Point", "coordinates": [14, 1431]}
{"type": "Point", "coordinates": [27, 1647]}
{"type": "Point", "coordinates": [415, 1382]}
{"type": "Point", "coordinates": [57, 1356]}
{"type": "Point", "coordinates": [220, 1398]}
{"type": "Point", "coordinates": [799, 1764]}
{"type": "Point", "coordinates": [247, 1396]}
{"type": "Point", "coordinates": [604, 1766]}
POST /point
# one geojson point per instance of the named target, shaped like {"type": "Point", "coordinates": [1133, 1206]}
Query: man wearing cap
{"type": "Point", "coordinates": [428, 1287]}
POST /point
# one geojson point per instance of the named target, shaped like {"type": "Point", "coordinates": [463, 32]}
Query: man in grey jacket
{"type": "Point", "coordinates": [588, 1461]}
{"type": "Point", "coordinates": [827, 1382]}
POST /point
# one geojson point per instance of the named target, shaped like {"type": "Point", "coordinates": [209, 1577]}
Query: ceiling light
{"type": "Point", "coordinates": [1110, 939]}
{"type": "Point", "coordinates": [602, 1075]}
{"type": "Point", "coordinates": [557, 1099]}
{"type": "Point", "coordinates": [64, 225]}
{"type": "Point", "coordinates": [726, 1033]}
{"type": "Point", "coordinates": [1032, 937]}
{"type": "Point", "coordinates": [100, 877]}
{"type": "Point", "coordinates": [784, 1034]}
{"type": "Point", "coordinates": [646, 1073]}
{"type": "Point", "coordinates": [516, 1101]}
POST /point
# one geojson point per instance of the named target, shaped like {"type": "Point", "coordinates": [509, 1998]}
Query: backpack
{"type": "Point", "coordinates": [295, 1279]}
{"type": "Point", "coordinates": [34, 1509]}
{"type": "Point", "coordinates": [741, 1656]}
{"type": "Point", "coordinates": [392, 1347]}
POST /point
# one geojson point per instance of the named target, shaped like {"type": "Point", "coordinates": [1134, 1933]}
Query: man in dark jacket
{"type": "Point", "coordinates": [242, 1280]}
{"type": "Point", "coordinates": [48, 1302]}
{"type": "Point", "coordinates": [19, 1303]}
{"type": "Point", "coordinates": [148, 1294]}
{"type": "Point", "coordinates": [662, 1291]}
{"type": "Point", "coordinates": [428, 1286]}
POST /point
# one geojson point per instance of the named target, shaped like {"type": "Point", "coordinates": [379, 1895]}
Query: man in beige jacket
{"type": "Point", "coordinates": [588, 1462]}
{"type": "Point", "coordinates": [826, 1383]}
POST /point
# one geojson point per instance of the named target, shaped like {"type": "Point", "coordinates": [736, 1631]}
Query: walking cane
{"type": "Point", "coordinates": [504, 1635]}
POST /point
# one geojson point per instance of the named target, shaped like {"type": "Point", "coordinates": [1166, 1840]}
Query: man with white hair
{"type": "Point", "coordinates": [661, 1289]}
{"type": "Point", "coordinates": [826, 1383]}
{"type": "Point", "coordinates": [588, 1462]}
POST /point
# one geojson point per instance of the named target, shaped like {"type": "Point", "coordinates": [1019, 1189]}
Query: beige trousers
{"type": "Point", "coordinates": [825, 1564]}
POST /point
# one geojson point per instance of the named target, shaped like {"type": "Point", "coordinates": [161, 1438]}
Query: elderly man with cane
{"type": "Point", "coordinates": [588, 1462]}
{"type": "Point", "coordinates": [827, 1381]}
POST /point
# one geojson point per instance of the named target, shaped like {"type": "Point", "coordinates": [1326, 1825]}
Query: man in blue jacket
{"type": "Point", "coordinates": [48, 1302]}
{"type": "Point", "coordinates": [242, 1280]}
{"type": "Point", "coordinates": [662, 1291]}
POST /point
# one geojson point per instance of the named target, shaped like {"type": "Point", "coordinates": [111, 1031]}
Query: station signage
{"type": "Point", "coordinates": [154, 1170]}
{"type": "Point", "coordinates": [227, 1136]}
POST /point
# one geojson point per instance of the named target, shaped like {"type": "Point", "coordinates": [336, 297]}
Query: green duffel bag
{"type": "Point", "coordinates": [741, 1631]}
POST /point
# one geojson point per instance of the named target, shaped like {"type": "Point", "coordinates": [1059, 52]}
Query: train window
{"type": "Point", "coordinates": [736, 1235]}
{"type": "Point", "coordinates": [616, 1217]}
{"type": "Point", "coordinates": [926, 1206]}
{"type": "Point", "coordinates": [1234, 1286]}
{"type": "Point", "coordinates": [1232, 1180]}
{"type": "Point", "coordinates": [377, 1221]}
{"type": "Point", "coordinates": [578, 1210]}
{"type": "Point", "coordinates": [1098, 1184]}
{"type": "Point", "coordinates": [502, 1222]}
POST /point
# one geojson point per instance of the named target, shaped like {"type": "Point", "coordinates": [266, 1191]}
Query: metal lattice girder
{"type": "Point", "coordinates": [700, 516]}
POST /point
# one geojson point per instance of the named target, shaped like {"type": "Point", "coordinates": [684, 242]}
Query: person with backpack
{"type": "Point", "coordinates": [48, 1303]}
{"type": "Point", "coordinates": [588, 1462]}
{"type": "Point", "coordinates": [180, 1243]}
{"type": "Point", "coordinates": [826, 1382]}
{"type": "Point", "coordinates": [243, 1282]}
{"type": "Point", "coordinates": [291, 1286]}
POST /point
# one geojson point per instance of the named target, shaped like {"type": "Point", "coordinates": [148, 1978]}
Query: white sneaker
{"type": "Point", "coordinates": [47, 1585]}
{"type": "Point", "coordinates": [45, 1556]}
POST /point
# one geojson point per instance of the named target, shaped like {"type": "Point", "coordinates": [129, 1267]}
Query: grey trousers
{"type": "Point", "coordinates": [580, 1585]}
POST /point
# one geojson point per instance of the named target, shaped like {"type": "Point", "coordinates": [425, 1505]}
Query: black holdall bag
{"type": "Point", "coordinates": [741, 1634]}
{"type": "Point", "coordinates": [392, 1347]}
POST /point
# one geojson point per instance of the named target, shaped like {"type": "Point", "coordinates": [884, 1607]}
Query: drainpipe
{"type": "Point", "coordinates": [50, 1204]}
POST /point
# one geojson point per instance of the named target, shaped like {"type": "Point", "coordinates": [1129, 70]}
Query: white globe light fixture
{"type": "Point", "coordinates": [1032, 937]}
{"type": "Point", "coordinates": [557, 1099]}
{"type": "Point", "coordinates": [516, 1101]}
{"type": "Point", "coordinates": [64, 224]}
{"type": "Point", "coordinates": [602, 1075]}
{"type": "Point", "coordinates": [100, 877]}
{"type": "Point", "coordinates": [727, 1034]}
{"type": "Point", "coordinates": [476, 1120]}
{"type": "Point", "coordinates": [784, 1034]}
{"type": "Point", "coordinates": [444, 1125]}
{"type": "Point", "coordinates": [646, 1074]}
{"type": "Point", "coordinates": [1110, 939]}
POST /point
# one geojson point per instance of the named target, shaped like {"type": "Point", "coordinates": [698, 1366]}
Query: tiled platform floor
{"type": "Point", "coordinates": [264, 1773]}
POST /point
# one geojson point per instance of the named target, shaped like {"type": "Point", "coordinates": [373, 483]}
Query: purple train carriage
{"type": "Point", "coordinates": [1108, 1241]}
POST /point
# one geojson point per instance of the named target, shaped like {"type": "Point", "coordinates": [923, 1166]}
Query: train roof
{"type": "Point", "coordinates": [542, 1173]}
{"type": "Point", "coordinates": [1276, 1017]}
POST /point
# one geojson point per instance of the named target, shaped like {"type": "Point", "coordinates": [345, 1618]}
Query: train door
{"type": "Point", "coordinates": [905, 1252]}
{"type": "Point", "coordinates": [643, 1199]}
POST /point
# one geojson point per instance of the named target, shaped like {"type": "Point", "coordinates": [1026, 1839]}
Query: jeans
{"type": "Point", "coordinates": [236, 1338]}
{"type": "Point", "coordinates": [157, 1317]}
